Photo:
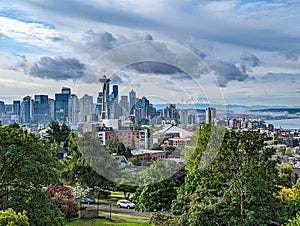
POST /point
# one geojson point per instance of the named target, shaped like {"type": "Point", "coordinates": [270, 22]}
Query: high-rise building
{"type": "Point", "coordinates": [2, 110]}
{"type": "Point", "coordinates": [86, 108]}
{"type": "Point", "coordinates": [105, 100]}
{"type": "Point", "coordinates": [41, 109]}
{"type": "Point", "coordinates": [132, 101]}
{"type": "Point", "coordinates": [73, 108]}
{"type": "Point", "coordinates": [115, 92]}
{"type": "Point", "coordinates": [210, 115]}
{"type": "Point", "coordinates": [51, 109]}
{"type": "Point", "coordinates": [141, 110]}
{"type": "Point", "coordinates": [26, 110]}
{"type": "Point", "coordinates": [124, 106]}
{"type": "Point", "coordinates": [61, 104]}
{"type": "Point", "coordinates": [98, 109]}
{"type": "Point", "coordinates": [17, 108]}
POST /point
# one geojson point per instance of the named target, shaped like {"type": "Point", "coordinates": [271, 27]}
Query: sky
{"type": "Point", "coordinates": [244, 52]}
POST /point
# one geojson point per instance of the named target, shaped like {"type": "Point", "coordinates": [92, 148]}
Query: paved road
{"type": "Point", "coordinates": [114, 209]}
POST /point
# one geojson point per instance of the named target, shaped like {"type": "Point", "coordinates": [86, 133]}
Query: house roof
{"type": "Point", "coordinates": [175, 129]}
{"type": "Point", "coordinates": [141, 152]}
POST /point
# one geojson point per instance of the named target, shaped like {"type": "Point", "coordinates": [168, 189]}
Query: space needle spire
{"type": "Point", "coordinates": [104, 83]}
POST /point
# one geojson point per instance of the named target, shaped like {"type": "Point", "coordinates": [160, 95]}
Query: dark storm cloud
{"type": "Point", "coordinates": [226, 72]}
{"type": "Point", "coordinates": [154, 68]}
{"type": "Point", "coordinates": [58, 68]}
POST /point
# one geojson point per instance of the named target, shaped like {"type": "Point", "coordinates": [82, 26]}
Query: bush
{"type": "Point", "coordinates": [10, 218]}
{"type": "Point", "coordinates": [159, 218]}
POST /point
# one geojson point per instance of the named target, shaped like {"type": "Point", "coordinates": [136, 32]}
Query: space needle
{"type": "Point", "coordinates": [105, 83]}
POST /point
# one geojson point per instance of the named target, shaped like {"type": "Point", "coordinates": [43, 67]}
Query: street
{"type": "Point", "coordinates": [114, 209]}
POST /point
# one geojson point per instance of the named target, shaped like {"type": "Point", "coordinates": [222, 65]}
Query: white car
{"type": "Point", "coordinates": [125, 204]}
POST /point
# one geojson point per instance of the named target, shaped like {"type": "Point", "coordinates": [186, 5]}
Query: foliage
{"type": "Point", "coordinates": [27, 163]}
{"type": "Point", "coordinates": [292, 203]}
{"type": "Point", "coordinates": [58, 133]}
{"type": "Point", "coordinates": [135, 161]}
{"type": "Point", "coordinates": [126, 184]}
{"type": "Point", "coordinates": [119, 148]}
{"type": "Point", "coordinates": [10, 218]}
{"type": "Point", "coordinates": [79, 168]}
{"type": "Point", "coordinates": [285, 194]}
{"type": "Point", "coordinates": [158, 188]}
{"type": "Point", "coordinates": [285, 172]}
{"type": "Point", "coordinates": [62, 196]}
{"type": "Point", "coordinates": [295, 221]}
{"type": "Point", "coordinates": [159, 218]}
{"type": "Point", "coordinates": [237, 184]}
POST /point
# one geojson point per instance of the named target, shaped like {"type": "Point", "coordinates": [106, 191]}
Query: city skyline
{"type": "Point", "coordinates": [251, 47]}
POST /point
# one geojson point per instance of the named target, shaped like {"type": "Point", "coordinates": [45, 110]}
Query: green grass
{"type": "Point", "coordinates": [104, 221]}
{"type": "Point", "coordinates": [121, 215]}
{"type": "Point", "coordinates": [112, 198]}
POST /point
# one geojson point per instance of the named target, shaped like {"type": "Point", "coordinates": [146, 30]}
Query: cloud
{"type": "Point", "coordinates": [151, 67]}
{"type": "Point", "coordinates": [57, 68]}
{"type": "Point", "coordinates": [248, 61]}
{"type": "Point", "coordinates": [21, 62]}
{"type": "Point", "coordinates": [289, 55]}
{"type": "Point", "coordinates": [99, 40]}
{"type": "Point", "coordinates": [31, 33]}
{"type": "Point", "coordinates": [226, 72]}
{"type": "Point", "coordinates": [95, 43]}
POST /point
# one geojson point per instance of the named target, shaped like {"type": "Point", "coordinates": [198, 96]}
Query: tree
{"type": "Point", "coordinates": [62, 197]}
{"type": "Point", "coordinates": [89, 164]}
{"type": "Point", "coordinates": [236, 186]}
{"type": "Point", "coordinates": [58, 133]}
{"type": "Point", "coordinates": [27, 163]}
{"type": "Point", "coordinates": [119, 148]}
{"type": "Point", "coordinates": [157, 190]}
{"type": "Point", "coordinates": [285, 173]}
{"type": "Point", "coordinates": [10, 218]}
{"type": "Point", "coordinates": [291, 201]}
{"type": "Point", "coordinates": [126, 184]}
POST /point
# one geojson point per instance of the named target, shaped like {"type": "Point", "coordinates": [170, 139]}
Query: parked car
{"type": "Point", "coordinates": [88, 200]}
{"type": "Point", "coordinates": [125, 204]}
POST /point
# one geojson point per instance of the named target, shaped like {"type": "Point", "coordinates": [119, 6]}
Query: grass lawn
{"type": "Point", "coordinates": [104, 221]}
{"type": "Point", "coordinates": [121, 215]}
{"type": "Point", "coordinates": [112, 198]}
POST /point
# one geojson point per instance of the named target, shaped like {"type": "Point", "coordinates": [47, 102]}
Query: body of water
{"type": "Point", "coordinates": [285, 123]}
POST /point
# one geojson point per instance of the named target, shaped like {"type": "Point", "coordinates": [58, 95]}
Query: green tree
{"type": "Point", "coordinates": [237, 187]}
{"type": "Point", "coordinates": [58, 133]}
{"type": "Point", "coordinates": [119, 148]}
{"type": "Point", "coordinates": [285, 173]}
{"type": "Point", "coordinates": [158, 188]}
{"type": "Point", "coordinates": [89, 163]}
{"type": "Point", "coordinates": [126, 184]}
{"type": "Point", "coordinates": [292, 202]}
{"type": "Point", "coordinates": [10, 218]}
{"type": "Point", "coordinates": [27, 164]}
